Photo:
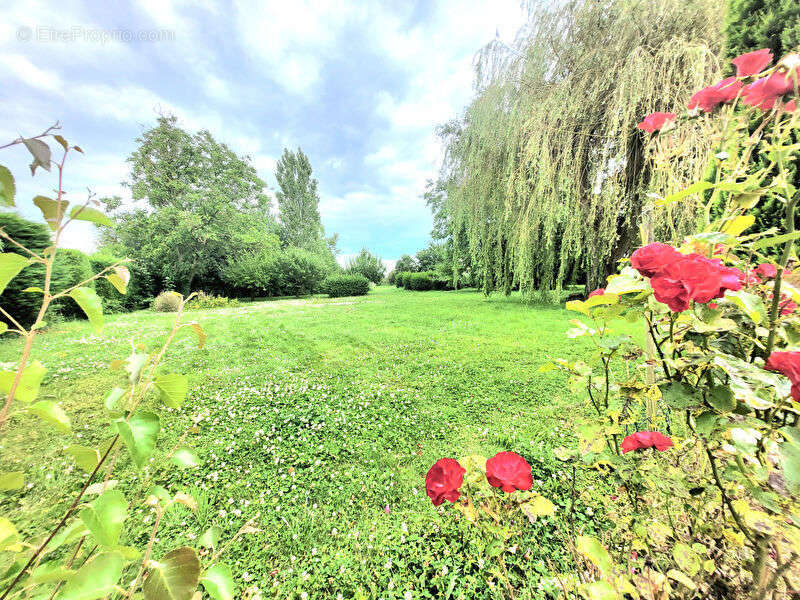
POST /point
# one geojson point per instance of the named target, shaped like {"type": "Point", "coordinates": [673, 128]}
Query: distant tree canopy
{"type": "Point", "coordinates": [298, 200]}
{"type": "Point", "coordinates": [367, 264]}
{"type": "Point", "coordinates": [546, 176]}
{"type": "Point", "coordinates": [198, 203]}
{"type": "Point", "coordinates": [755, 24]}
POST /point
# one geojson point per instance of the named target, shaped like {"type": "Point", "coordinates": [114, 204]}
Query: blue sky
{"type": "Point", "coordinates": [359, 86]}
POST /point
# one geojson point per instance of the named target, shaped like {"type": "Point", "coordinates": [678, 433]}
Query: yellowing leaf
{"type": "Point", "coordinates": [738, 225]}
{"type": "Point", "coordinates": [52, 210]}
{"type": "Point", "coordinates": [29, 383]}
{"type": "Point", "coordinates": [91, 305]}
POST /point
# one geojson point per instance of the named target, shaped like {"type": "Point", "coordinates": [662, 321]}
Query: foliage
{"type": "Point", "coordinates": [296, 272]}
{"type": "Point", "coordinates": [140, 291]}
{"type": "Point", "coordinates": [347, 284]}
{"type": "Point", "coordinates": [418, 282]}
{"type": "Point", "coordinates": [406, 263]}
{"type": "Point", "coordinates": [167, 302]}
{"type": "Point", "coordinates": [755, 24]}
{"type": "Point", "coordinates": [710, 508]}
{"type": "Point", "coordinates": [71, 267]}
{"type": "Point", "coordinates": [367, 264]}
{"type": "Point", "coordinates": [198, 204]}
{"type": "Point", "coordinates": [202, 301]}
{"type": "Point", "coordinates": [298, 199]}
{"type": "Point", "coordinates": [58, 563]}
{"type": "Point", "coordinates": [546, 176]}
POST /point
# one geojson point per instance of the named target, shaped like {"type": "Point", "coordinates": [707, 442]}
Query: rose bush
{"type": "Point", "coordinates": [694, 432]}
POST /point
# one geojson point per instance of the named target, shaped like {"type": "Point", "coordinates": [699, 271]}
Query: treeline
{"type": "Point", "coordinates": [547, 180]}
{"type": "Point", "coordinates": [201, 220]}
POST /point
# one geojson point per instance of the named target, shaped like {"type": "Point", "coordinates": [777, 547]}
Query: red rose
{"type": "Point", "coordinates": [509, 471]}
{"type": "Point", "coordinates": [597, 292]}
{"type": "Point", "coordinates": [656, 121]}
{"type": "Point", "coordinates": [750, 279]}
{"type": "Point", "coordinates": [730, 278]}
{"type": "Point", "coordinates": [641, 440]}
{"type": "Point", "coordinates": [692, 277]}
{"type": "Point", "coordinates": [766, 271]}
{"type": "Point", "coordinates": [650, 259]}
{"type": "Point", "coordinates": [788, 306]}
{"type": "Point", "coordinates": [790, 106]}
{"type": "Point", "coordinates": [712, 96]}
{"type": "Point", "coordinates": [443, 480]}
{"type": "Point", "coordinates": [787, 363]}
{"type": "Point", "coordinates": [765, 91]}
{"type": "Point", "coordinates": [752, 62]}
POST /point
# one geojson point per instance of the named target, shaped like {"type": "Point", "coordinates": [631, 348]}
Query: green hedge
{"type": "Point", "coordinates": [141, 287]}
{"type": "Point", "coordinates": [337, 286]}
{"type": "Point", "coordinates": [422, 281]}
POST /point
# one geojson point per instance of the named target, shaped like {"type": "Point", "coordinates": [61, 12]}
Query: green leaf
{"type": "Point", "coordinates": [722, 399]}
{"type": "Point", "coordinates": [173, 388]}
{"type": "Point", "coordinates": [686, 558]}
{"type": "Point", "coordinates": [9, 536]}
{"type": "Point", "coordinates": [29, 383]}
{"type": "Point", "coordinates": [114, 396]}
{"type": "Point", "coordinates": [186, 458]}
{"type": "Point", "coordinates": [10, 266]}
{"type": "Point", "coordinates": [600, 590]}
{"type": "Point", "coordinates": [91, 304]}
{"type": "Point", "coordinates": [40, 152]}
{"type": "Point", "coordinates": [681, 578]}
{"type": "Point", "coordinates": [211, 537]}
{"type": "Point", "coordinates": [86, 458]}
{"type": "Point", "coordinates": [52, 210]}
{"type": "Point", "coordinates": [105, 517]}
{"type": "Point", "coordinates": [51, 572]}
{"type": "Point", "coordinates": [218, 582]}
{"type": "Point", "coordinates": [84, 213]}
{"type": "Point", "coordinates": [591, 548]}
{"type": "Point", "coordinates": [174, 577]}
{"type": "Point", "coordinates": [577, 306]}
{"type": "Point", "coordinates": [140, 434]}
{"type": "Point", "coordinates": [774, 240]}
{"type": "Point", "coordinates": [11, 480]}
{"type": "Point", "coordinates": [95, 579]}
{"type": "Point", "coordinates": [628, 282]}
{"type": "Point", "coordinates": [790, 453]}
{"type": "Point", "coordinates": [751, 304]}
{"type": "Point", "coordinates": [695, 188]}
{"type": "Point", "coordinates": [52, 413]}
{"type": "Point", "coordinates": [7, 187]}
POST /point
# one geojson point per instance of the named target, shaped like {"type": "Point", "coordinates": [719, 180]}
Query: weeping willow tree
{"type": "Point", "coordinates": [547, 175]}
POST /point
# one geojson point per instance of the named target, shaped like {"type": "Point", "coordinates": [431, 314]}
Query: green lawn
{"type": "Point", "coordinates": [322, 417]}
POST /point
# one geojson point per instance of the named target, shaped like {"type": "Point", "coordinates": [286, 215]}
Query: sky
{"type": "Point", "coordinates": [359, 86]}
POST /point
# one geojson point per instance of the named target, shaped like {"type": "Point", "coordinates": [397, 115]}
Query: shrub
{"type": "Point", "coordinates": [348, 284]}
{"type": "Point", "coordinates": [70, 268]}
{"type": "Point", "coordinates": [390, 277]}
{"type": "Point", "coordinates": [295, 272]}
{"type": "Point", "coordinates": [368, 265]}
{"type": "Point", "coordinates": [167, 302]}
{"type": "Point", "coordinates": [202, 301]}
{"type": "Point", "coordinates": [419, 282]}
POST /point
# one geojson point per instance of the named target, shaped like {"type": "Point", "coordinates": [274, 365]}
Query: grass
{"type": "Point", "coordinates": [319, 418]}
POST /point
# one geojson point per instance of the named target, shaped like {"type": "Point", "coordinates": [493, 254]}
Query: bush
{"type": "Point", "coordinates": [202, 301]}
{"type": "Point", "coordinates": [337, 286]}
{"type": "Point", "coordinates": [400, 278]}
{"type": "Point", "coordinates": [71, 267]}
{"type": "Point", "coordinates": [167, 302]}
{"type": "Point", "coordinates": [295, 272]}
{"type": "Point", "coordinates": [419, 282]}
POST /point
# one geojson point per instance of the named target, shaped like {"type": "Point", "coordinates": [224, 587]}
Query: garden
{"type": "Point", "coordinates": [586, 386]}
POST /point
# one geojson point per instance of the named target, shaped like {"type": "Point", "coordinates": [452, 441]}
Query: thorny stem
{"type": "Point", "coordinates": [737, 519]}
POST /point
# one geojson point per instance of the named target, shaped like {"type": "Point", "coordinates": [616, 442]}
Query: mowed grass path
{"type": "Point", "coordinates": [320, 418]}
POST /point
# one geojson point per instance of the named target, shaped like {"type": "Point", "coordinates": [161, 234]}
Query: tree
{"type": "Point", "coordinates": [755, 24]}
{"type": "Point", "coordinates": [298, 200]}
{"type": "Point", "coordinates": [429, 258]}
{"type": "Point", "coordinates": [367, 264]}
{"type": "Point", "coordinates": [200, 204]}
{"type": "Point", "coordinates": [546, 174]}
{"type": "Point", "coordinates": [406, 264]}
